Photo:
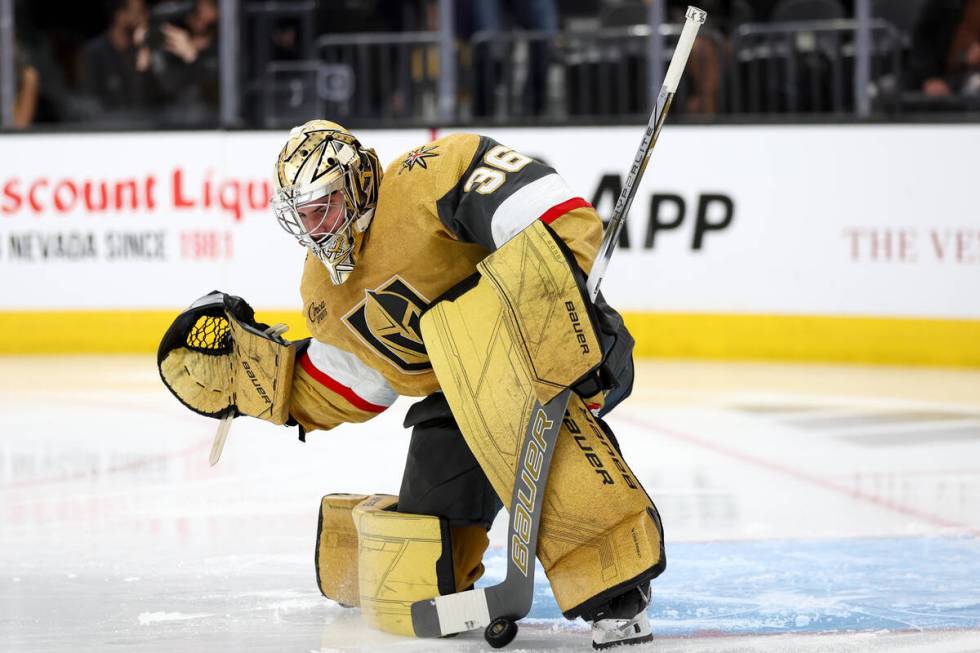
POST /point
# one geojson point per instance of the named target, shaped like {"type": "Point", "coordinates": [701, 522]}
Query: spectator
{"type": "Point", "coordinates": [945, 57]}
{"type": "Point", "coordinates": [55, 100]}
{"type": "Point", "coordinates": [964, 53]}
{"type": "Point", "coordinates": [286, 40]}
{"type": "Point", "coordinates": [188, 66]}
{"type": "Point", "coordinates": [115, 67]}
{"type": "Point", "coordinates": [704, 68]}
{"type": "Point", "coordinates": [488, 16]}
{"type": "Point", "coordinates": [26, 90]}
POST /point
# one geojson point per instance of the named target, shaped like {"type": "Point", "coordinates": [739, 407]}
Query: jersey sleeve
{"type": "Point", "coordinates": [502, 191]}
{"type": "Point", "coordinates": [332, 387]}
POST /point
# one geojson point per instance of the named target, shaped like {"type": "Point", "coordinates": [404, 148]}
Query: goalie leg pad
{"type": "Point", "coordinates": [402, 558]}
{"type": "Point", "coordinates": [599, 531]}
{"type": "Point", "coordinates": [336, 549]}
{"type": "Point", "coordinates": [543, 304]}
{"type": "Point", "coordinates": [622, 544]}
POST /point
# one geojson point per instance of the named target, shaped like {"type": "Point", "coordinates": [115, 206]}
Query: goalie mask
{"type": "Point", "coordinates": [326, 190]}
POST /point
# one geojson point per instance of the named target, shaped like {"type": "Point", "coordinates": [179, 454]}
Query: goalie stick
{"type": "Point", "coordinates": [499, 607]}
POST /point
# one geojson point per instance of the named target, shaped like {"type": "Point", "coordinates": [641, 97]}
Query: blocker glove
{"type": "Point", "coordinates": [217, 360]}
{"type": "Point", "coordinates": [612, 381]}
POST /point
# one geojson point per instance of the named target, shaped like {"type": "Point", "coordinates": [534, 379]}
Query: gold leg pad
{"type": "Point", "coordinates": [336, 550]}
{"type": "Point", "coordinates": [402, 558]}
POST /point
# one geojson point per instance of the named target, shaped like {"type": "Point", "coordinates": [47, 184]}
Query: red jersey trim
{"type": "Point", "coordinates": [336, 386]}
{"type": "Point", "coordinates": [559, 210]}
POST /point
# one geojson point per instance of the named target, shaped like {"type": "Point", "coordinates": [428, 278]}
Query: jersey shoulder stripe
{"type": "Point", "coordinates": [564, 208]}
{"type": "Point", "coordinates": [548, 197]}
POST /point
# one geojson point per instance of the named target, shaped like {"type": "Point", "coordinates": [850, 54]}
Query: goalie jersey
{"type": "Point", "coordinates": [442, 208]}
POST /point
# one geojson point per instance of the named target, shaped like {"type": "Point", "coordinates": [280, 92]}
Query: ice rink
{"type": "Point", "coordinates": [806, 508]}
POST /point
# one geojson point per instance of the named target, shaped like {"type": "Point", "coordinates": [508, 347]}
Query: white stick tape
{"type": "Point", "coordinates": [695, 18]}
{"type": "Point", "coordinates": [463, 611]}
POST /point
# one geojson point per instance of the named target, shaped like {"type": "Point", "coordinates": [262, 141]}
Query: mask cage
{"type": "Point", "coordinates": [334, 248]}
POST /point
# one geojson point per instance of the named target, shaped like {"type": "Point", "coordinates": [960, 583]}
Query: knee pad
{"type": "Point", "coordinates": [401, 558]}
{"type": "Point", "coordinates": [372, 556]}
{"type": "Point", "coordinates": [336, 549]}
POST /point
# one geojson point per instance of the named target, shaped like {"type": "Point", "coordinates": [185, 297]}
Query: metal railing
{"type": "Point", "coordinates": [839, 68]}
{"type": "Point", "coordinates": [293, 91]}
{"type": "Point", "coordinates": [538, 77]}
{"type": "Point", "coordinates": [394, 76]}
{"type": "Point", "coordinates": [388, 78]}
{"type": "Point", "coordinates": [575, 74]}
{"type": "Point", "coordinates": [261, 19]}
{"type": "Point", "coordinates": [807, 67]}
{"type": "Point", "coordinates": [8, 89]}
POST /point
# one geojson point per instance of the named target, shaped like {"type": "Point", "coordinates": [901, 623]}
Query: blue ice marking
{"type": "Point", "coordinates": [790, 586]}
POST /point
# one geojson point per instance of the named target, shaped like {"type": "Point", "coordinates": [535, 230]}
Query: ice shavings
{"type": "Point", "coordinates": [147, 618]}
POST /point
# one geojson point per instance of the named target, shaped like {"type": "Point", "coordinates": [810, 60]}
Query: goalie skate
{"type": "Point", "coordinates": [607, 633]}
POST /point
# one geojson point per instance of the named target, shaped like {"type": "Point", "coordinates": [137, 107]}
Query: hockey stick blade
{"type": "Point", "coordinates": [455, 613]}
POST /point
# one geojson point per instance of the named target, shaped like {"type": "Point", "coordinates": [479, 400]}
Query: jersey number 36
{"type": "Point", "coordinates": [485, 179]}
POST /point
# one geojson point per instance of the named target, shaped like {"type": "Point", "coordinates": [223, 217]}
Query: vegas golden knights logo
{"type": "Point", "coordinates": [388, 321]}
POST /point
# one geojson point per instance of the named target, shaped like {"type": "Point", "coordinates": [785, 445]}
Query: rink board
{"type": "Point", "coordinates": [897, 341]}
{"type": "Point", "coordinates": [784, 242]}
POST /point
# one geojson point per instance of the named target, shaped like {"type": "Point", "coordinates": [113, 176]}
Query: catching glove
{"type": "Point", "coordinates": [217, 360]}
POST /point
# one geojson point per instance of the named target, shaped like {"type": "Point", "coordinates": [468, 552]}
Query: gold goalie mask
{"type": "Point", "coordinates": [326, 189]}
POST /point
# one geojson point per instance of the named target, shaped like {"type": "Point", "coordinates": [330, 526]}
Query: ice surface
{"type": "Point", "coordinates": [806, 508]}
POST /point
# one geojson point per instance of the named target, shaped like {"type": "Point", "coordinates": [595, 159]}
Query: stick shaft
{"type": "Point", "coordinates": [224, 426]}
{"type": "Point", "coordinates": [695, 18]}
{"type": "Point", "coordinates": [219, 440]}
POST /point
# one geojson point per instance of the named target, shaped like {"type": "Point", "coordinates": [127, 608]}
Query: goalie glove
{"type": "Point", "coordinates": [217, 360]}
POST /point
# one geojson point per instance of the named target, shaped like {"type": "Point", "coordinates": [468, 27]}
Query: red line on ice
{"type": "Point", "coordinates": [801, 475]}
{"type": "Point", "coordinates": [82, 475]}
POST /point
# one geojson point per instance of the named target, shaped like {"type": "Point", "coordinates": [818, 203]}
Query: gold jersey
{"type": "Point", "coordinates": [442, 208]}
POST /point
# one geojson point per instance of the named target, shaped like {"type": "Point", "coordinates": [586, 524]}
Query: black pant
{"type": "Point", "coordinates": [442, 477]}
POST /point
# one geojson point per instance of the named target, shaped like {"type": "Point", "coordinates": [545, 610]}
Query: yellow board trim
{"type": "Point", "coordinates": [894, 341]}
{"type": "Point", "coordinates": [898, 341]}
{"type": "Point", "coordinates": [105, 332]}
